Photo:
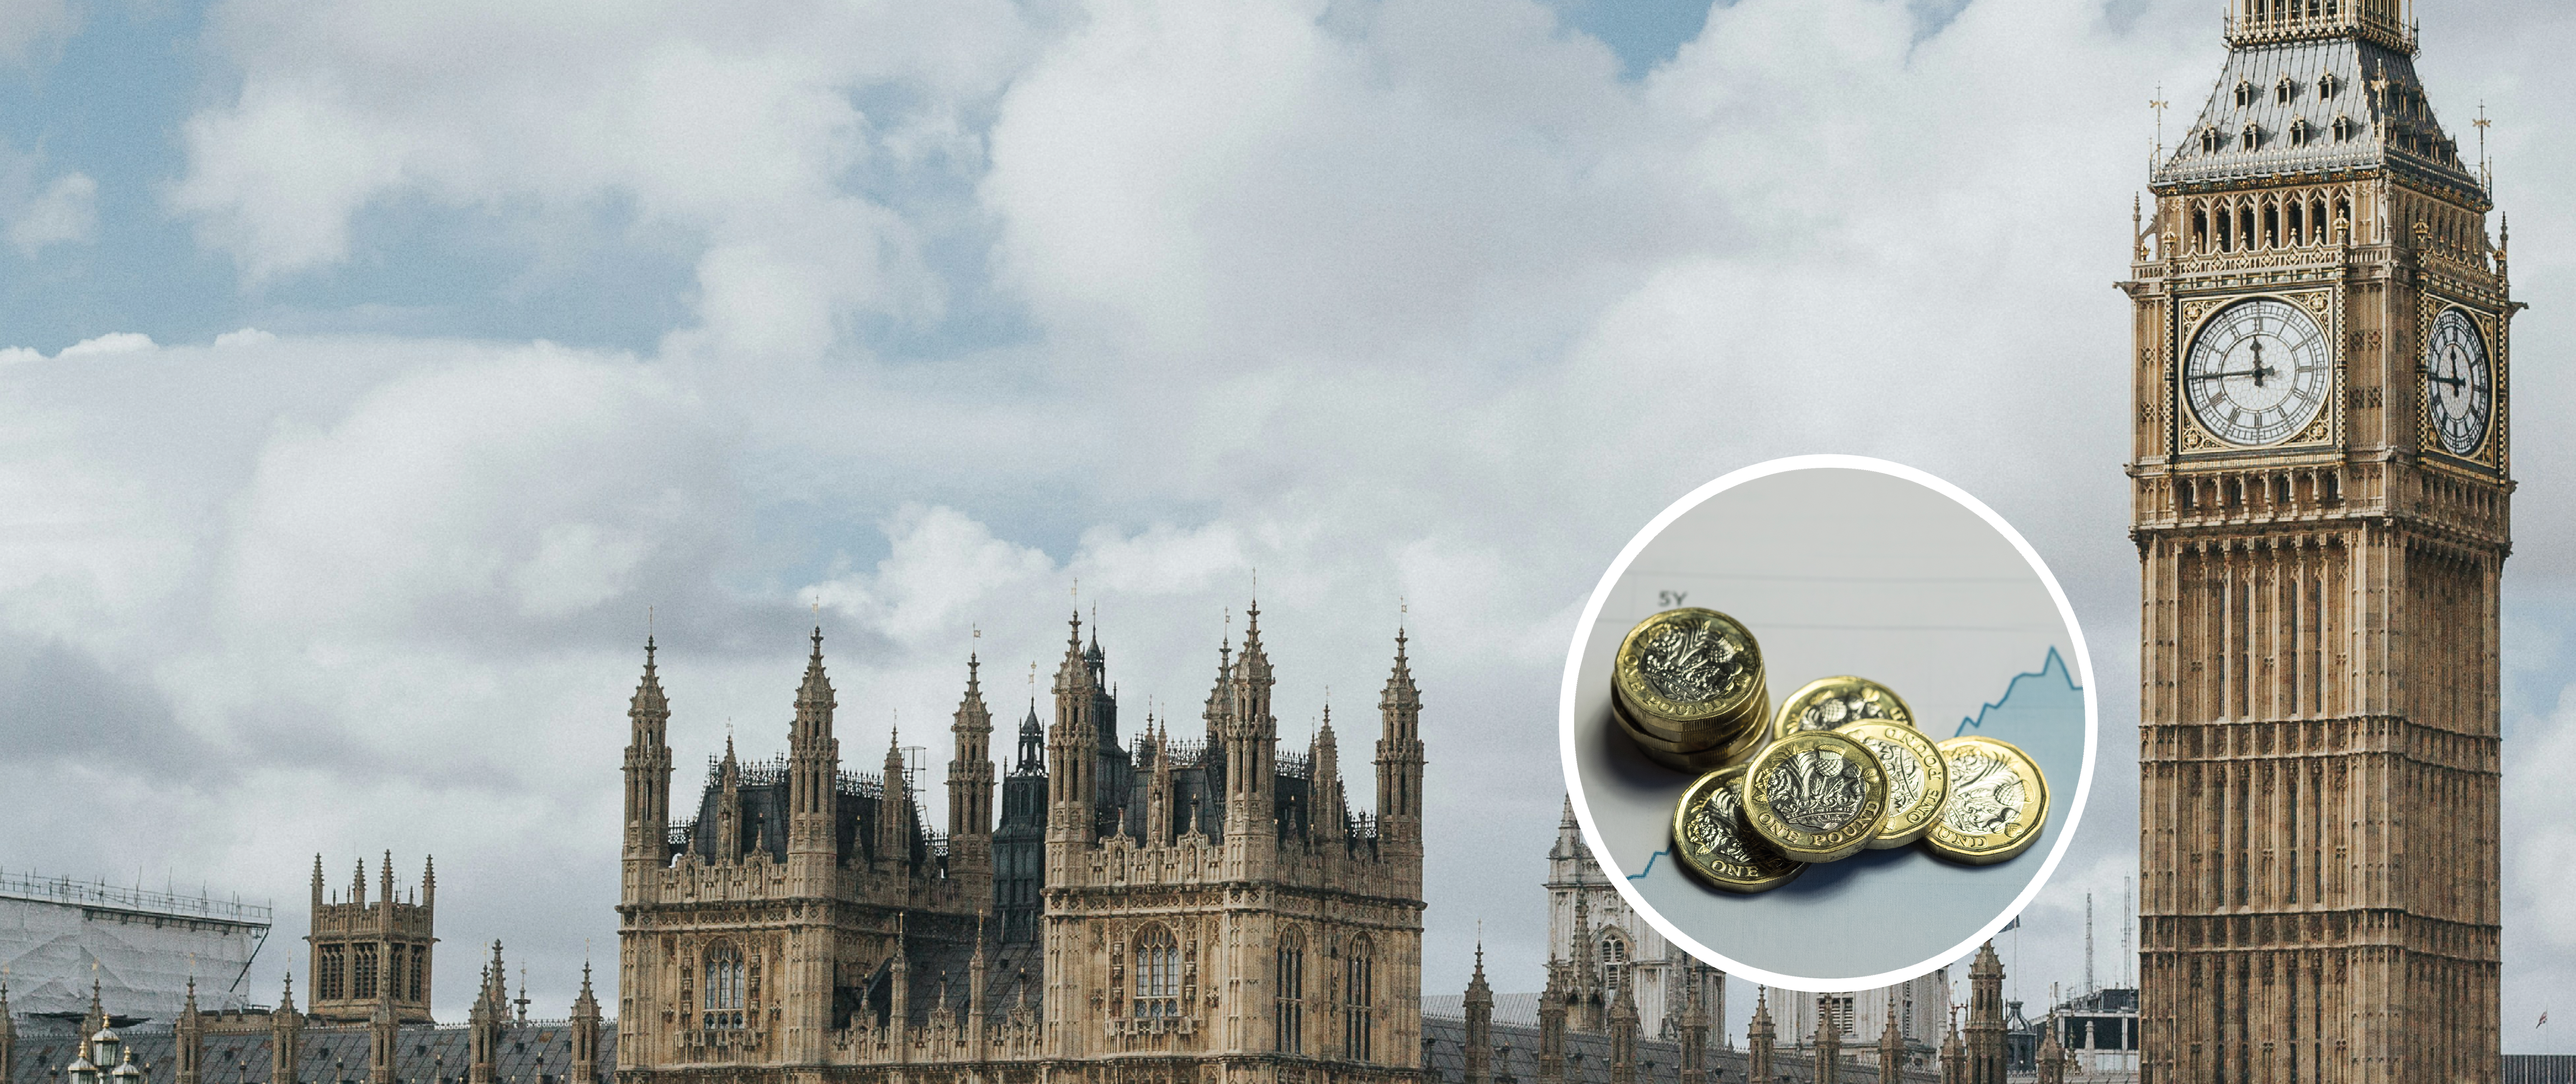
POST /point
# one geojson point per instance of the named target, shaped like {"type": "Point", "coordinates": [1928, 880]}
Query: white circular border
{"type": "Point", "coordinates": [1619, 568]}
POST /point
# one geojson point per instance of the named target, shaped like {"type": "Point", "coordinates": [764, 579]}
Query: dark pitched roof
{"type": "Point", "coordinates": [2391, 127]}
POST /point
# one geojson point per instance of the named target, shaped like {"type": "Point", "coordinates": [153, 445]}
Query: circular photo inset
{"type": "Point", "coordinates": [1830, 721]}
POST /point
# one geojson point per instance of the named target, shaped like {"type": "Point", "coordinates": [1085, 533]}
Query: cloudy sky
{"type": "Point", "coordinates": [367, 370]}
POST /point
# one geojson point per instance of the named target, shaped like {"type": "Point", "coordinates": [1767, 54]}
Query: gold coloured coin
{"type": "Point", "coordinates": [1712, 837]}
{"type": "Point", "coordinates": [1689, 670]}
{"type": "Point", "coordinates": [1755, 716]}
{"type": "Point", "coordinates": [1917, 779]}
{"type": "Point", "coordinates": [1836, 702]}
{"type": "Point", "coordinates": [1997, 806]}
{"type": "Point", "coordinates": [1686, 758]}
{"type": "Point", "coordinates": [1816, 795]}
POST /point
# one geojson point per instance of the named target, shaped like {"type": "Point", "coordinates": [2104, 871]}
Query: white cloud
{"type": "Point", "coordinates": [27, 25]}
{"type": "Point", "coordinates": [1411, 299]}
{"type": "Point", "coordinates": [120, 342]}
{"type": "Point", "coordinates": [65, 211]}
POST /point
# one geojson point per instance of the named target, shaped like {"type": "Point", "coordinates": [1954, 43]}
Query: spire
{"type": "Point", "coordinates": [813, 774]}
{"type": "Point", "coordinates": [1891, 1043]}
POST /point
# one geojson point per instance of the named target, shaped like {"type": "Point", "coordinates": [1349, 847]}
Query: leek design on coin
{"type": "Point", "coordinates": [1998, 802]}
{"type": "Point", "coordinates": [1712, 837]}
{"type": "Point", "coordinates": [1818, 796]}
{"type": "Point", "coordinates": [1918, 780]}
{"type": "Point", "coordinates": [1836, 702]}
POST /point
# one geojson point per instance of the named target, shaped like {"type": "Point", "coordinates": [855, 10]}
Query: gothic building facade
{"type": "Point", "coordinates": [2321, 492]}
{"type": "Point", "coordinates": [1157, 908]}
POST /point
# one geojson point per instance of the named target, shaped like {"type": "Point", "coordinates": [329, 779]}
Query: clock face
{"type": "Point", "coordinates": [2258, 372]}
{"type": "Point", "coordinates": [2459, 385]}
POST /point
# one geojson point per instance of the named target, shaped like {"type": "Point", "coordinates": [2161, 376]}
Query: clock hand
{"type": "Point", "coordinates": [2455, 382]}
{"type": "Point", "coordinates": [2257, 374]}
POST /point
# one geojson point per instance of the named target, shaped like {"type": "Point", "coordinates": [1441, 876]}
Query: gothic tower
{"type": "Point", "coordinates": [2321, 489]}
{"type": "Point", "coordinates": [648, 778]}
{"type": "Point", "coordinates": [365, 952]}
{"type": "Point", "coordinates": [1986, 1017]}
{"type": "Point", "coordinates": [970, 783]}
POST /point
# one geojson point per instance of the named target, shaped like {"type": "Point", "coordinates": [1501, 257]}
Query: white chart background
{"type": "Point", "coordinates": [1840, 571]}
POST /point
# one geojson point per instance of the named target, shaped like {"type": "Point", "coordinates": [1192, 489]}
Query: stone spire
{"type": "Point", "coordinates": [970, 784]}
{"type": "Point", "coordinates": [1829, 1042]}
{"type": "Point", "coordinates": [1325, 754]}
{"type": "Point", "coordinates": [286, 1037]}
{"type": "Point", "coordinates": [1479, 1053]}
{"type": "Point", "coordinates": [728, 805]}
{"type": "Point", "coordinates": [648, 778]}
{"type": "Point", "coordinates": [1552, 1006]}
{"type": "Point", "coordinates": [813, 778]}
{"type": "Point", "coordinates": [1623, 1035]}
{"type": "Point", "coordinates": [1891, 1043]}
{"type": "Point", "coordinates": [384, 1033]}
{"type": "Point", "coordinates": [585, 1032]}
{"type": "Point", "coordinates": [894, 808]}
{"type": "Point", "coordinates": [1693, 1031]}
{"type": "Point", "coordinates": [1073, 758]}
{"type": "Point", "coordinates": [1759, 1038]}
{"type": "Point", "coordinates": [976, 1009]}
{"type": "Point", "coordinates": [9, 1030]}
{"type": "Point", "coordinates": [1986, 1017]}
{"type": "Point", "coordinates": [1399, 755]}
{"type": "Point", "coordinates": [1954, 1055]}
{"type": "Point", "coordinates": [485, 1021]}
{"type": "Point", "coordinates": [95, 1020]}
{"type": "Point", "coordinates": [2053, 1058]}
{"type": "Point", "coordinates": [1588, 1009]}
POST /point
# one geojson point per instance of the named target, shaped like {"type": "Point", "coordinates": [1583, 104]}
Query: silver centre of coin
{"type": "Point", "coordinates": [1985, 794]}
{"type": "Point", "coordinates": [1818, 789]}
{"type": "Point", "coordinates": [1712, 827]}
{"type": "Point", "coordinates": [1690, 663]}
{"type": "Point", "coordinates": [1904, 773]}
{"type": "Point", "coordinates": [1833, 710]}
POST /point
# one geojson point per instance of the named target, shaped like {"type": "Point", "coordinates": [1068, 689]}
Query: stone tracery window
{"type": "Point", "coordinates": [1289, 994]}
{"type": "Point", "coordinates": [724, 989]}
{"type": "Point", "coordinates": [1614, 965]}
{"type": "Point", "coordinates": [1157, 965]}
{"type": "Point", "coordinates": [1359, 998]}
{"type": "Point", "coordinates": [328, 977]}
{"type": "Point", "coordinates": [362, 972]}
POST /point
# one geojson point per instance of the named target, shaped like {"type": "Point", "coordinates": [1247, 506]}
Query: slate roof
{"type": "Point", "coordinates": [537, 1052]}
{"type": "Point", "coordinates": [1588, 1059]}
{"type": "Point", "coordinates": [2394, 128]}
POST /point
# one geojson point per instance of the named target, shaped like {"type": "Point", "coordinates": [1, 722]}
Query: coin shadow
{"type": "Point", "coordinates": [1631, 768]}
{"type": "Point", "coordinates": [1834, 878]}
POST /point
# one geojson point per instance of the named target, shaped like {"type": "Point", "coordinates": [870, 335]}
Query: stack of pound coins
{"type": "Point", "coordinates": [1688, 689]}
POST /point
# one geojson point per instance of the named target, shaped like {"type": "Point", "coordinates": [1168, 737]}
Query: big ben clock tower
{"type": "Point", "coordinates": [2321, 485]}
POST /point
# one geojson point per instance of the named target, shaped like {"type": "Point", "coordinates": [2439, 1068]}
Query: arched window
{"type": "Point", "coordinates": [1614, 965]}
{"type": "Point", "coordinates": [1359, 998]}
{"type": "Point", "coordinates": [724, 989]}
{"type": "Point", "coordinates": [1289, 984]}
{"type": "Point", "coordinates": [2252, 135]}
{"type": "Point", "coordinates": [2209, 139]}
{"type": "Point", "coordinates": [2245, 227]}
{"type": "Point", "coordinates": [2284, 90]}
{"type": "Point", "coordinates": [1156, 961]}
{"type": "Point", "coordinates": [362, 972]}
{"type": "Point", "coordinates": [2244, 92]}
{"type": "Point", "coordinates": [2326, 85]}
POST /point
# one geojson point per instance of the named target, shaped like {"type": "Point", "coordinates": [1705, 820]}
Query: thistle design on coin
{"type": "Point", "coordinates": [1818, 789]}
{"type": "Point", "coordinates": [1816, 796]}
{"type": "Point", "coordinates": [1691, 663]}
